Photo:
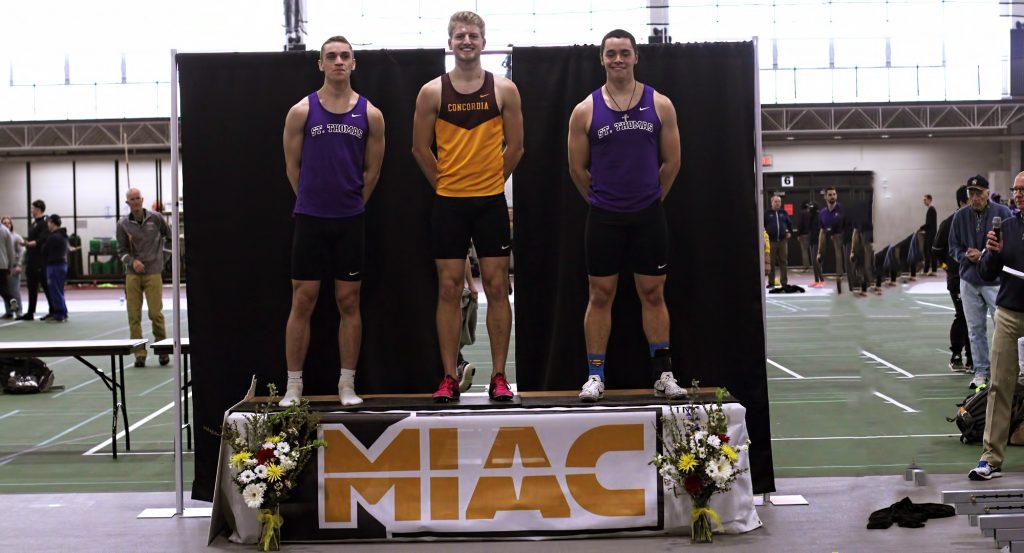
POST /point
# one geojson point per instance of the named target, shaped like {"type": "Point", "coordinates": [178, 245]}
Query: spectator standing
{"type": "Point", "coordinates": [958, 339]}
{"type": "Point", "coordinates": [35, 266]}
{"type": "Point", "coordinates": [929, 228]}
{"type": "Point", "coordinates": [55, 258]}
{"type": "Point", "coordinates": [780, 228]}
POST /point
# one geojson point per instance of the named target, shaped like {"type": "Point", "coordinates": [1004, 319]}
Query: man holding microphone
{"type": "Point", "coordinates": [1003, 256]}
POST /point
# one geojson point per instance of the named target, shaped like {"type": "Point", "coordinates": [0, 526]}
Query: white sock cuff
{"type": "Point", "coordinates": [295, 377]}
{"type": "Point", "coordinates": [348, 373]}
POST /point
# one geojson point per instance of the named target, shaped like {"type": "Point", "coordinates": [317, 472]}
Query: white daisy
{"type": "Point", "coordinates": [253, 495]}
{"type": "Point", "coordinates": [714, 441]}
{"type": "Point", "coordinates": [261, 471]}
{"type": "Point", "coordinates": [246, 476]}
{"type": "Point", "coordinates": [283, 447]}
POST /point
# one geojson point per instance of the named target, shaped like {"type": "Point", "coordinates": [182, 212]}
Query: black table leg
{"type": "Point", "coordinates": [116, 405]}
{"type": "Point", "coordinates": [124, 406]}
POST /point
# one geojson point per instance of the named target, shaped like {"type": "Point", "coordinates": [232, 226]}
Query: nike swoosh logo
{"type": "Point", "coordinates": [485, 95]}
{"type": "Point", "coordinates": [663, 266]}
{"type": "Point", "coordinates": [353, 274]}
{"type": "Point", "coordinates": [356, 115]}
{"type": "Point", "coordinates": [505, 247]}
{"type": "Point", "coordinates": [645, 107]}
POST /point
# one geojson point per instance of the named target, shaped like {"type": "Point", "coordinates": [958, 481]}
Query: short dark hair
{"type": "Point", "coordinates": [55, 219]}
{"type": "Point", "coordinates": [618, 33]}
{"type": "Point", "coordinates": [961, 194]}
{"type": "Point", "coordinates": [39, 204]}
{"type": "Point", "coordinates": [832, 188]}
{"type": "Point", "coordinates": [335, 38]}
{"type": "Point", "coordinates": [929, 196]}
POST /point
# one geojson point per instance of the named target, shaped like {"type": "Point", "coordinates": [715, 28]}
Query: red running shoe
{"type": "Point", "coordinates": [498, 389]}
{"type": "Point", "coordinates": [447, 391]}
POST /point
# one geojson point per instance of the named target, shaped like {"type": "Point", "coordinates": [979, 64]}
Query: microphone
{"type": "Point", "coordinates": [997, 227]}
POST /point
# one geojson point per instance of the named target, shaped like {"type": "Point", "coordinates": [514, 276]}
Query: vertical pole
{"type": "Point", "coordinates": [179, 469]}
{"type": "Point", "coordinates": [759, 192]}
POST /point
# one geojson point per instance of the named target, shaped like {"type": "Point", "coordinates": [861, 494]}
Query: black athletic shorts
{"type": "Point", "coordinates": [323, 247]}
{"type": "Point", "coordinates": [454, 221]}
{"type": "Point", "coordinates": [615, 241]}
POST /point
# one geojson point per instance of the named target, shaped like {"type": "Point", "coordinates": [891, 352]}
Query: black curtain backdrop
{"type": "Point", "coordinates": [713, 288]}
{"type": "Point", "coordinates": [239, 228]}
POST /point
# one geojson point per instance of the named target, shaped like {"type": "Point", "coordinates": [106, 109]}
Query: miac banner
{"type": "Point", "coordinates": [492, 473]}
{"type": "Point", "coordinates": [479, 473]}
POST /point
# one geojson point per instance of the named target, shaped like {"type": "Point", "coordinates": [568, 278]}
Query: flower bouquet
{"type": "Point", "coordinates": [268, 455]}
{"type": "Point", "coordinates": [697, 458]}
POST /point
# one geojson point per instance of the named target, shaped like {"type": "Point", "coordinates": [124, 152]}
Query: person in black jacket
{"type": "Point", "coordinates": [55, 255]}
{"type": "Point", "coordinates": [35, 267]}
{"type": "Point", "coordinates": [807, 233]}
{"type": "Point", "coordinates": [780, 228]}
{"type": "Point", "coordinates": [1003, 256]}
{"type": "Point", "coordinates": [958, 339]}
{"type": "Point", "coordinates": [929, 229]}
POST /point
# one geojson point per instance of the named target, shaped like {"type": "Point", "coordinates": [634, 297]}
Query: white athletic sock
{"type": "Point", "coordinates": [293, 392]}
{"type": "Point", "coordinates": [347, 388]}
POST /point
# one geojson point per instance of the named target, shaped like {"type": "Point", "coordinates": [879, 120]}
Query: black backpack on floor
{"type": "Point", "coordinates": [970, 415]}
{"type": "Point", "coordinates": [25, 375]}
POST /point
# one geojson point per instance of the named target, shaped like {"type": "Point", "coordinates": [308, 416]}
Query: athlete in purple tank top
{"type": "Point", "coordinates": [333, 149]}
{"type": "Point", "coordinates": [623, 157]}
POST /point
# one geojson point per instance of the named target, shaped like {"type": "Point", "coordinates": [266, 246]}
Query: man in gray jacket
{"type": "Point", "coordinates": [142, 239]}
{"type": "Point", "coordinates": [9, 263]}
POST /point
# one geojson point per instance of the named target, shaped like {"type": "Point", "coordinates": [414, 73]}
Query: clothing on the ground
{"type": "Point", "coordinates": [908, 514]}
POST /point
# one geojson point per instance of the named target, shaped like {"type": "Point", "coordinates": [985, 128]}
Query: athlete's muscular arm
{"type": "Point", "coordinates": [428, 102]}
{"type": "Point", "coordinates": [374, 155]}
{"type": "Point", "coordinates": [579, 146]}
{"type": "Point", "coordinates": [668, 149]}
{"type": "Point", "coordinates": [511, 121]}
{"type": "Point", "coordinates": [294, 125]}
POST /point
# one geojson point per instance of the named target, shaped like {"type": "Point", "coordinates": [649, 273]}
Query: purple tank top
{"type": "Point", "coordinates": [624, 161]}
{"type": "Point", "coordinates": [331, 172]}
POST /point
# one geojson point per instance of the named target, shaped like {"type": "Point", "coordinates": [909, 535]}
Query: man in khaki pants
{"type": "Point", "coordinates": [142, 239]}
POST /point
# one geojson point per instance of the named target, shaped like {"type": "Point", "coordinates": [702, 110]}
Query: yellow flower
{"type": "Point", "coordinates": [687, 462]}
{"type": "Point", "coordinates": [729, 452]}
{"type": "Point", "coordinates": [274, 472]}
{"type": "Point", "coordinates": [238, 460]}
{"type": "Point", "coordinates": [274, 439]}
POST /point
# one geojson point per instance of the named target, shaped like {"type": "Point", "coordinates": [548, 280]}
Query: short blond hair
{"type": "Point", "coordinates": [468, 18]}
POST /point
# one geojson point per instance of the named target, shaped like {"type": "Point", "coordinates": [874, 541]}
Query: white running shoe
{"type": "Point", "coordinates": [593, 389]}
{"type": "Point", "coordinates": [292, 395]}
{"type": "Point", "coordinates": [666, 386]}
{"type": "Point", "coordinates": [464, 373]}
{"type": "Point", "coordinates": [979, 381]}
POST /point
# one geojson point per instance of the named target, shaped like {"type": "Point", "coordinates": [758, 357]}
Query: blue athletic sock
{"type": "Point", "coordinates": [595, 365]}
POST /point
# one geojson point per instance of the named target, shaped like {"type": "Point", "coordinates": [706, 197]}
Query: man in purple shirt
{"type": "Point", "coordinates": [623, 156]}
{"type": "Point", "coordinates": [333, 149]}
{"type": "Point", "coordinates": [833, 226]}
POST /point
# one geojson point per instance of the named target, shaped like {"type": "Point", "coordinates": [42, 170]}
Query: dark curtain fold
{"type": "Point", "coordinates": [239, 227]}
{"type": "Point", "coordinates": [713, 288]}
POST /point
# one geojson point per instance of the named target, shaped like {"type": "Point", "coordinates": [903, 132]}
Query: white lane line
{"type": "Point", "coordinates": [44, 443]}
{"type": "Point", "coordinates": [11, 414]}
{"type": "Point", "coordinates": [165, 382]}
{"type": "Point", "coordinates": [148, 418]}
{"type": "Point", "coordinates": [886, 363]}
{"type": "Point", "coordinates": [935, 305]}
{"type": "Point", "coordinates": [894, 402]}
{"type": "Point", "coordinates": [786, 306]}
{"type": "Point", "coordinates": [784, 369]}
{"type": "Point", "coordinates": [73, 388]}
{"type": "Point", "coordinates": [789, 379]}
{"type": "Point", "coordinates": [902, 436]}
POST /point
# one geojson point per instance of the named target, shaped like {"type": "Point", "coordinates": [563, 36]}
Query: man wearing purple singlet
{"type": "Point", "coordinates": [624, 155]}
{"type": "Point", "coordinates": [333, 148]}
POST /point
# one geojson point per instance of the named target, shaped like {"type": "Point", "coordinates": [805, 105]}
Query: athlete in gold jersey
{"type": "Point", "coordinates": [477, 122]}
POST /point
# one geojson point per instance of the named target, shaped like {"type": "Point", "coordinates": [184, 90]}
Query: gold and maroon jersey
{"type": "Point", "coordinates": [470, 137]}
